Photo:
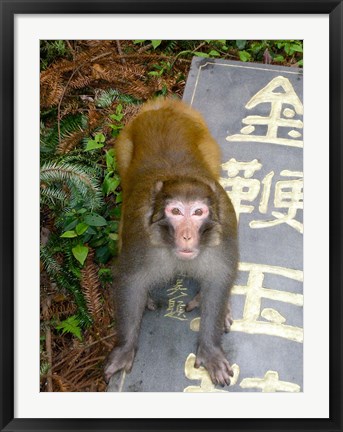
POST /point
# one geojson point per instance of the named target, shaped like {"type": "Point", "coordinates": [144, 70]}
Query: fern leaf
{"type": "Point", "coordinates": [65, 280]}
{"type": "Point", "coordinates": [49, 138]}
{"type": "Point", "coordinates": [79, 179]}
{"type": "Point", "coordinates": [71, 325]}
{"type": "Point", "coordinates": [52, 196]}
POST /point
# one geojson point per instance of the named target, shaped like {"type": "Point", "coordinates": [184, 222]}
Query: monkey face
{"type": "Point", "coordinates": [186, 219]}
{"type": "Point", "coordinates": [183, 218]}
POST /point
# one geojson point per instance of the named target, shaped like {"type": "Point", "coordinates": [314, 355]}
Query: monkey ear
{"type": "Point", "coordinates": [158, 186]}
{"type": "Point", "coordinates": [211, 183]}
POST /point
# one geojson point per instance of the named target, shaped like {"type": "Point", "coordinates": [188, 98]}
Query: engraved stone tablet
{"type": "Point", "coordinates": [255, 112]}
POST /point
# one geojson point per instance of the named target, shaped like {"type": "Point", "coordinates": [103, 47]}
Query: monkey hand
{"type": "Point", "coordinates": [216, 364]}
{"type": "Point", "coordinates": [120, 358]}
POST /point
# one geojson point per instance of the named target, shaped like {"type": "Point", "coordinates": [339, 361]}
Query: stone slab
{"type": "Point", "coordinates": [255, 113]}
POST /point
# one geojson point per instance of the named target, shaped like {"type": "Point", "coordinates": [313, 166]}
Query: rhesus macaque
{"type": "Point", "coordinates": [176, 219]}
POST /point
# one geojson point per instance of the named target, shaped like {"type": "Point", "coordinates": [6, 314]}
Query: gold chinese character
{"type": "Point", "coordinates": [288, 195]}
{"type": "Point", "coordinates": [176, 309]}
{"type": "Point", "coordinates": [177, 290]}
{"type": "Point", "coordinates": [254, 292]}
{"type": "Point", "coordinates": [270, 384]}
{"type": "Point", "coordinates": [277, 92]}
{"type": "Point", "coordinates": [206, 384]}
{"type": "Point", "coordinates": [241, 188]}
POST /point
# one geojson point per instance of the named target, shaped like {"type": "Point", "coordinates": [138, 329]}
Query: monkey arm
{"type": "Point", "coordinates": [214, 300]}
{"type": "Point", "coordinates": [131, 292]}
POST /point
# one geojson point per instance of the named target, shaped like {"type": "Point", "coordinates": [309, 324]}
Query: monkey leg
{"type": "Point", "coordinates": [131, 299]}
{"type": "Point", "coordinates": [210, 353]}
{"type": "Point", "coordinates": [196, 302]}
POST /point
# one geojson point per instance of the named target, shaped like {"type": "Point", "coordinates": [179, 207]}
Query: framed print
{"type": "Point", "coordinates": [310, 398]}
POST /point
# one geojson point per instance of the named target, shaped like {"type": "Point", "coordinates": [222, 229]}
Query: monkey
{"type": "Point", "coordinates": [176, 219]}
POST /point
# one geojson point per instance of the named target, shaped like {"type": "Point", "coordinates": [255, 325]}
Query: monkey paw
{"type": "Point", "coordinates": [194, 303]}
{"type": "Point", "coordinates": [120, 358]}
{"type": "Point", "coordinates": [216, 364]}
{"type": "Point", "coordinates": [151, 305]}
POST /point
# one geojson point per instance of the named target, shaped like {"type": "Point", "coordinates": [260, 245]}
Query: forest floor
{"type": "Point", "coordinates": [95, 79]}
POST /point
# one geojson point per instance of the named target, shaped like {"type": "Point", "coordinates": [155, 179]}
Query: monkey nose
{"type": "Point", "coordinates": [187, 235]}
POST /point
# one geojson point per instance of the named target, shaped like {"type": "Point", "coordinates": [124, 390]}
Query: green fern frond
{"type": "Point", "coordinates": [79, 157]}
{"type": "Point", "coordinates": [70, 325]}
{"type": "Point", "coordinates": [170, 46]}
{"type": "Point", "coordinates": [49, 138]}
{"type": "Point", "coordinates": [44, 368]}
{"type": "Point", "coordinates": [53, 197]}
{"type": "Point", "coordinates": [81, 182]}
{"type": "Point", "coordinates": [107, 97]}
{"type": "Point", "coordinates": [65, 280]}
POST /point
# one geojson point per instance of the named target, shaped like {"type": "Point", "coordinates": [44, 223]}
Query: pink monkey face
{"type": "Point", "coordinates": [187, 218]}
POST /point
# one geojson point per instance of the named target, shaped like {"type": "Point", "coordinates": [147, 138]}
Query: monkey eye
{"type": "Point", "coordinates": [198, 212]}
{"type": "Point", "coordinates": [176, 211]}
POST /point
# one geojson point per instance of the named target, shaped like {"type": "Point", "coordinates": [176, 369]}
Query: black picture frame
{"type": "Point", "coordinates": [8, 10]}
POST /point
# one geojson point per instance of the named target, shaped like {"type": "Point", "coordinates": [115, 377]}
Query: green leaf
{"type": "Point", "coordinates": [156, 43]}
{"type": "Point", "coordinates": [200, 54]}
{"type": "Point", "coordinates": [110, 160]}
{"type": "Point", "coordinates": [91, 231]}
{"type": "Point", "coordinates": [100, 138]}
{"type": "Point", "coordinates": [69, 234]}
{"type": "Point", "coordinates": [118, 116]}
{"type": "Point", "coordinates": [103, 254]}
{"type": "Point", "coordinates": [80, 252]}
{"type": "Point", "coordinates": [296, 48]}
{"type": "Point", "coordinates": [241, 44]}
{"type": "Point", "coordinates": [155, 73]}
{"type": "Point", "coordinates": [92, 145]}
{"type": "Point", "coordinates": [119, 198]}
{"type": "Point", "coordinates": [116, 127]}
{"type": "Point", "coordinates": [70, 325]}
{"type": "Point", "coordinates": [116, 212]}
{"type": "Point", "coordinates": [113, 236]}
{"type": "Point", "coordinates": [279, 58]}
{"type": "Point", "coordinates": [214, 53]}
{"type": "Point", "coordinates": [71, 225]}
{"type": "Point", "coordinates": [301, 63]}
{"type": "Point", "coordinates": [81, 228]}
{"type": "Point", "coordinates": [244, 56]}
{"type": "Point", "coordinates": [94, 219]}
{"type": "Point", "coordinates": [110, 184]}
{"type": "Point", "coordinates": [137, 41]}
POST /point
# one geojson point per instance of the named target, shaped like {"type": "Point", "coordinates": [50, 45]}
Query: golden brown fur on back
{"type": "Point", "coordinates": [173, 129]}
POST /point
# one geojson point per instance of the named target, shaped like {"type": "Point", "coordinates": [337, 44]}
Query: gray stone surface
{"type": "Point", "coordinates": [255, 113]}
